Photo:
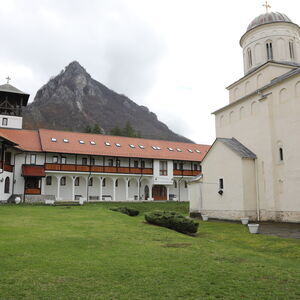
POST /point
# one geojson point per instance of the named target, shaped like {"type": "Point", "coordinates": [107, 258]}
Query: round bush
{"type": "Point", "coordinates": [172, 220]}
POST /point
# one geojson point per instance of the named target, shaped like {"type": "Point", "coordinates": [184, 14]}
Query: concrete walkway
{"type": "Point", "coordinates": [285, 230]}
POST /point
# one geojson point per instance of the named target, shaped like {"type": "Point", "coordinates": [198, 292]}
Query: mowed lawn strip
{"type": "Point", "coordinates": [91, 252]}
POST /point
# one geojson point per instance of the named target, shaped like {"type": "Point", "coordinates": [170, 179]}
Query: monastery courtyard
{"type": "Point", "coordinates": [90, 252]}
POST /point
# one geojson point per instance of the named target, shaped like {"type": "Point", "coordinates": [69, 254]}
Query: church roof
{"type": "Point", "coordinates": [267, 18]}
{"type": "Point", "coordinates": [55, 141]}
{"type": "Point", "coordinates": [237, 147]}
{"type": "Point", "coordinates": [8, 88]}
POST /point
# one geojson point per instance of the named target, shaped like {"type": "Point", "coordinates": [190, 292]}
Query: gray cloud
{"type": "Point", "coordinates": [112, 43]}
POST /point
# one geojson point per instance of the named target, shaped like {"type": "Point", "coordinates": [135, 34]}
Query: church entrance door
{"type": "Point", "coordinates": [159, 192]}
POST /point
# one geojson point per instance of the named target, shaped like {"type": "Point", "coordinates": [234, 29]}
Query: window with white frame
{"type": "Point", "coordinates": [163, 168]}
{"type": "Point", "coordinates": [269, 49]}
{"type": "Point", "coordinates": [4, 121]}
{"type": "Point", "coordinates": [63, 181]}
{"type": "Point", "coordinates": [92, 161]}
{"type": "Point", "coordinates": [33, 159]}
{"type": "Point", "coordinates": [291, 48]}
{"type": "Point", "coordinates": [49, 180]}
{"type": "Point", "coordinates": [77, 181]}
{"type": "Point", "coordinates": [249, 54]}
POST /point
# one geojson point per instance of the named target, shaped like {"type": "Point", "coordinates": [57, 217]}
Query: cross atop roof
{"type": "Point", "coordinates": [8, 79]}
{"type": "Point", "coordinates": [267, 6]}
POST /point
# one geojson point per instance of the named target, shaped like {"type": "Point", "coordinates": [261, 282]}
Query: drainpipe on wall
{"type": "Point", "coordinates": [257, 191]}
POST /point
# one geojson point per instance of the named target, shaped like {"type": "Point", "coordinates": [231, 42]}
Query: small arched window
{"type": "Point", "coordinates": [117, 183]}
{"type": "Point", "coordinates": [269, 49]}
{"type": "Point", "coordinates": [6, 185]}
{"type": "Point", "coordinates": [77, 181]}
{"type": "Point", "coordinates": [48, 180]}
{"type": "Point", "coordinates": [249, 55]}
{"type": "Point", "coordinates": [291, 48]}
{"type": "Point", "coordinates": [175, 184]}
{"type": "Point", "coordinates": [63, 181]}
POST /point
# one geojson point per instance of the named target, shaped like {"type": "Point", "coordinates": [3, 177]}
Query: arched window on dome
{"type": "Point", "coordinates": [291, 48]}
{"type": "Point", "coordinates": [269, 49]}
{"type": "Point", "coordinates": [249, 55]}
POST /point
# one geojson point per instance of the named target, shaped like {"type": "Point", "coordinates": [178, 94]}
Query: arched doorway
{"type": "Point", "coordinates": [146, 192]}
{"type": "Point", "coordinates": [159, 192]}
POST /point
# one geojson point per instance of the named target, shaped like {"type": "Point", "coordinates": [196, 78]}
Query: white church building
{"type": "Point", "coordinates": [43, 164]}
{"type": "Point", "coordinates": [253, 167]}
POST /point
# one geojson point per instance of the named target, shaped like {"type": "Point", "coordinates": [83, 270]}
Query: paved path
{"type": "Point", "coordinates": [286, 230]}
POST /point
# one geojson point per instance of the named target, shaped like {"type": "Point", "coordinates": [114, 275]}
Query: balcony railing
{"type": "Point", "coordinates": [6, 167]}
{"type": "Point", "coordinates": [97, 169]}
{"type": "Point", "coordinates": [186, 172]}
{"type": "Point", "coordinates": [32, 191]}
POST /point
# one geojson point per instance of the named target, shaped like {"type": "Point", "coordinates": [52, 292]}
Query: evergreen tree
{"type": "Point", "coordinates": [97, 129]}
{"type": "Point", "coordinates": [88, 129]}
{"type": "Point", "coordinates": [116, 131]}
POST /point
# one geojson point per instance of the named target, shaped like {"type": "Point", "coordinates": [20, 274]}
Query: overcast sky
{"type": "Point", "coordinates": [174, 56]}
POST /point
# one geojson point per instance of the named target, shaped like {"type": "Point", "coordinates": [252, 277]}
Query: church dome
{"type": "Point", "coordinates": [270, 17]}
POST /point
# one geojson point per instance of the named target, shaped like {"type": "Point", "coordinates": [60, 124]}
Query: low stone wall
{"type": "Point", "coordinates": [233, 215]}
{"type": "Point", "coordinates": [280, 216]}
{"type": "Point", "coordinates": [38, 198]}
{"type": "Point", "coordinates": [236, 215]}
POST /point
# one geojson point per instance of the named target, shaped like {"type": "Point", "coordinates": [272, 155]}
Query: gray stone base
{"type": "Point", "coordinates": [38, 198]}
{"type": "Point", "coordinates": [236, 215]}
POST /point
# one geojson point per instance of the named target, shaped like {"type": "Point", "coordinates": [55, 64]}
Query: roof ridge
{"type": "Point", "coordinates": [115, 136]}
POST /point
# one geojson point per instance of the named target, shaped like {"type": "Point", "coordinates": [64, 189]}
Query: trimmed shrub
{"type": "Point", "coordinates": [173, 221]}
{"type": "Point", "coordinates": [125, 210]}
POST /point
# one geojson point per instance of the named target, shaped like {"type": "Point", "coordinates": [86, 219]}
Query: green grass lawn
{"type": "Point", "coordinates": [91, 252]}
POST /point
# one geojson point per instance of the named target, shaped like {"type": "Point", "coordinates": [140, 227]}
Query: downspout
{"type": "Point", "coordinates": [257, 191]}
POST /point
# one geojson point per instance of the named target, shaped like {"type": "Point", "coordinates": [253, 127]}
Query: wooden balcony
{"type": "Point", "coordinates": [32, 191]}
{"type": "Point", "coordinates": [186, 172]}
{"type": "Point", "coordinates": [6, 167]}
{"type": "Point", "coordinates": [97, 169]}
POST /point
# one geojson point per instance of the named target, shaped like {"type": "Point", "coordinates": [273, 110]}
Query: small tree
{"type": "Point", "coordinates": [97, 129]}
{"type": "Point", "coordinates": [88, 129]}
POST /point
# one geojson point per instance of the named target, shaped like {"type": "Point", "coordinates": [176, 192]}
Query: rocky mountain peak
{"type": "Point", "coordinates": [73, 100]}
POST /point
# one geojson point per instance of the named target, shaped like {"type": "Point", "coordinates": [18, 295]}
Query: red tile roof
{"type": "Point", "coordinates": [31, 170]}
{"type": "Point", "coordinates": [42, 141]}
{"type": "Point", "coordinates": [27, 140]}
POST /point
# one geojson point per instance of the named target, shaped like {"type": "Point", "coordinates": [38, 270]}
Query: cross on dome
{"type": "Point", "coordinates": [267, 5]}
{"type": "Point", "coordinates": [8, 79]}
